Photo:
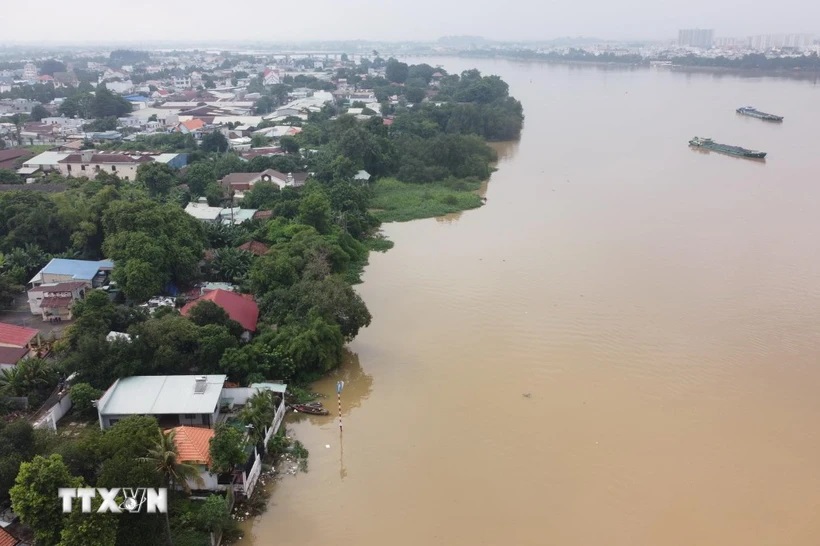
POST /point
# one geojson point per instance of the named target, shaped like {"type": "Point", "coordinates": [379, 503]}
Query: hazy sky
{"type": "Point", "coordinates": [279, 20]}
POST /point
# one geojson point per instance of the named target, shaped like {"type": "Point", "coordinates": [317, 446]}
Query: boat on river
{"type": "Point", "coordinates": [311, 408]}
{"type": "Point", "coordinates": [737, 151]}
{"type": "Point", "coordinates": [755, 113]}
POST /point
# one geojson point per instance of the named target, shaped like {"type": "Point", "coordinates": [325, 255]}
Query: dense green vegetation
{"type": "Point", "coordinates": [750, 61]}
{"type": "Point", "coordinates": [429, 160]}
{"type": "Point", "coordinates": [753, 61]}
{"type": "Point", "coordinates": [395, 201]}
{"type": "Point", "coordinates": [134, 451]}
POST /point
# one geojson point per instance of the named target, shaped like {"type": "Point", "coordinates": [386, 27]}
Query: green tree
{"type": "Point", "coordinates": [226, 449]}
{"type": "Point", "coordinates": [83, 396]}
{"type": "Point", "coordinates": [199, 176]}
{"type": "Point", "coordinates": [214, 514]}
{"type": "Point", "coordinates": [314, 210]}
{"type": "Point", "coordinates": [164, 456]}
{"type": "Point", "coordinates": [39, 112]}
{"type": "Point", "coordinates": [50, 66]}
{"type": "Point", "coordinates": [94, 529]}
{"type": "Point", "coordinates": [214, 142]}
{"type": "Point", "coordinates": [131, 437]}
{"type": "Point", "coordinates": [158, 178]}
{"type": "Point", "coordinates": [289, 144]}
{"type": "Point", "coordinates": [259, 141]}
{"type": "Point", "coordinates": [258, 413]}
{"type": "Point", "coordinates": [107, 104]}
{"type": "Point", "coordinates": [232, 264]}
{"type": "Point", "coordinates": [17, 444]}
{"type": "Point", "coordinates": [396, 71]}
{"type": "Point", "coordinates": [34, 498]}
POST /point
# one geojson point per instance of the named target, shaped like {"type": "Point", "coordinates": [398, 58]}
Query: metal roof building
{"type": "Point", "coordinates": [173, 399]}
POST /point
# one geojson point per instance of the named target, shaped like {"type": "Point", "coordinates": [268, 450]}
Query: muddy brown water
{"type": "Point", "coordinates": [620, 348]}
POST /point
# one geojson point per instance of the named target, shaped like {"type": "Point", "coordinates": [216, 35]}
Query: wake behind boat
{"type": "Point", "coordinates": [755, 113]}
{"type": "Point", "coordinates": [737, 151]}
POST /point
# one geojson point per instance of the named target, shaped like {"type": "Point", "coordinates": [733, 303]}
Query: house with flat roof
{"type": "Point", "coordinates": [95, 273]}
{"type": "Point", "coordinates": [173, 399]}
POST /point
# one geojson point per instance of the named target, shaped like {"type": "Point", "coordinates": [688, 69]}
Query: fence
{"type": "Point", "coordinates": [52, 415]}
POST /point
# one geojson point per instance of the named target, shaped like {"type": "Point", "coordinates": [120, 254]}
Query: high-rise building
{"type": "Point", "coordinates": [696, 37]}
{"type": "Point", "coordinates": [29, 72]}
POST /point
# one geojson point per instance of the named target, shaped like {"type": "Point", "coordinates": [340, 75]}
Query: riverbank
{"type": "Point", "coordinates": [397, 201]}
{"type": "Point", "coordinates": [805, 74]}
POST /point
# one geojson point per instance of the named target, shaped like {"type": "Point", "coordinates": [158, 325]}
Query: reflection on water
{"type": "Point", "coordinates": [660, 307]}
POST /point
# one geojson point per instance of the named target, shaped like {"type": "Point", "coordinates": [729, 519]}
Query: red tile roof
{"type": "Point", "coordinates": [193, 124]}
{"type": "Point", "coordinates": [16, 336]}
{"type": "Point", "coordinates": [6, 539]}
{"type": "Point", "coordinates": [255, 247]}
{"type": "Point", "coordinates": [193, 444]}
{"type": "Point", "coordinates": [241, 309]}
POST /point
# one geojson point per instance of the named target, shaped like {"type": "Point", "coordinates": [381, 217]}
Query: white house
{"type": "Point", "coordinates": [173, 399]}
{"type": "Point", "coordinates": [88, 163]}
{"type": "Point", "coordinates": [239, 183]}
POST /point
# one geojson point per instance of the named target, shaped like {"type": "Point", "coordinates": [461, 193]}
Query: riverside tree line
{"type": "Point", "coordinates": [318, 238]}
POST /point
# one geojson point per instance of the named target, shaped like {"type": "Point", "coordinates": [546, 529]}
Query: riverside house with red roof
{"type": "Point", "coordinates": [16, 344]}
{"type": "Point", "coordinates": [194, 447]}
{"type": "Point", "coordinates": [240, 307]}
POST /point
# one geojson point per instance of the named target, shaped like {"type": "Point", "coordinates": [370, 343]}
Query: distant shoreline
{"type": "Point", "coordinates": [752, 72]}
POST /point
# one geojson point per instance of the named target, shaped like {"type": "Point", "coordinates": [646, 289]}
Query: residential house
{"type": "Point", "coordinates": [271, 76]}
{"type": "Point", "coordinates": [194, 126]}
{"type": "Point", "coordinates": [40, 133]}
{"type": "Point", "coordinates": [12, 158]}
{"type": "Point", "coordinates": [17, 106]}
{"type": "Point", "coordinates": [16, 344]}
{"type": "Point", "coordinates": [173, 399]}
{"type": "Point", "coordinates": [254, 247]}
{"type": "Point", "coordinates": [194, 447]}
{"type": "Point", "coordinates": [240, 307]}
{"type": "Point", "coordinates": [62, 283]}
{"type": "Point", "coordinates": [46, 161]}
{"type": "Point", "coordinates": [123, 164]}
{"type": "Point", "coordinates": [94, 273]}
{"type": "Point", "coordinates": [121, 87]}
{"type": "Point", "coordinates": [55, 300]}
{"type": "Point", "coordinates": [239, 183]}
{"type": "Point", "coordinates": [362, 176]}
{"type": "Point", "coordinates": [89, 162]}
{"type": "Point", "coordinates": [204, 212]}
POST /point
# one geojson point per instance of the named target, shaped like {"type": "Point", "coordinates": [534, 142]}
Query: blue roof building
{"type": "Point", "coordinates": [64, 270]}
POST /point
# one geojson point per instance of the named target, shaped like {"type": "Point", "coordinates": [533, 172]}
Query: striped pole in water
{"type": "Point", "coordinates": [339, 386]}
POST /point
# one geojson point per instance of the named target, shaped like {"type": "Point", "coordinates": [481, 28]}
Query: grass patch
{"type": "Point", "coordinates": [37, 149]}
{"type": "Point", "coordinates": [396, 201]}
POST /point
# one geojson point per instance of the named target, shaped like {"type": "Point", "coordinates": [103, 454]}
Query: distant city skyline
{"type": "Point", "coordinates": [101, 21]}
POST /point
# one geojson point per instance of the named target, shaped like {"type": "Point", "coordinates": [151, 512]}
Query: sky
{"type": "Point", "coordinates": [146, 21]}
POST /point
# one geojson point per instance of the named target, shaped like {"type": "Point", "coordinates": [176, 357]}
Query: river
{"type": "Point", "coordinates": [620, 348]}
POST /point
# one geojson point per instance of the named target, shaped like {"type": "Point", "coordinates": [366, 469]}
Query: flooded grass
{"type": "Point", "coordinates": [397, 201]}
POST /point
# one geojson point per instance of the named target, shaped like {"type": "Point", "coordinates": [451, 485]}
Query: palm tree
{"type": "Point", "coordinates": [165, 458]}
{"type": "Point", "coordinates": [30, 376]}
{"type": "Point", "coordinates": [258, 413]}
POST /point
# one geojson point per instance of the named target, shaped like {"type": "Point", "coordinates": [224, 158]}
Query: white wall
{"type": "Point", "coordinates": [53, 416]}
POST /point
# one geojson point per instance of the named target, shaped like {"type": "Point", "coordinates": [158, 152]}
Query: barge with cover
{"type": "Point", "coordinates": [755, 113]}
{"type": "Point", "coordinates": [737, 151]}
